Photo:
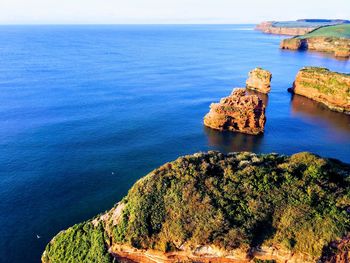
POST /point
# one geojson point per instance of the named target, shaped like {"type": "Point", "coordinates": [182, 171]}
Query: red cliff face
{"type": "Point", "coordinates": [324, 86]}
{"type": "Point", "coordinates": [238, 112]}
{"type": "Point", "coordinates": [338, 46]}
{"type": "Point", "coordinates": [259, 80]}
{"type": "Point", "coordinates": [267, 27]}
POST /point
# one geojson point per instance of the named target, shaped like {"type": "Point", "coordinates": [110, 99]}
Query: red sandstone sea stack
{"type": "Point", "coordinates": [238, 112]}
{"type": "Point", "coordinates": [259, 80]}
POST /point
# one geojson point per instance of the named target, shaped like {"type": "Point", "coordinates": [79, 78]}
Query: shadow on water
{"type": "Point", "coordinates": [232, 141]}
{"type": "Point", "coordinates": [316, 113]}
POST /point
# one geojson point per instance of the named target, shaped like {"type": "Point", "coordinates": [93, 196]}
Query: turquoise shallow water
{"type": "Point", "coordinates": [87, 110]}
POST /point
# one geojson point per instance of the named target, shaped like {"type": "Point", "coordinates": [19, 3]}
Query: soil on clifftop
{"type": "Point", "coordinates": [213, 207]}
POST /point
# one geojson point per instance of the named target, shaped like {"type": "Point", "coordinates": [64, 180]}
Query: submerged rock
{"type": "Point", "coordinates": [259, 80]}
{"type": "Point", "coordinates": [322, 85]}
{"type": "Point", "coordinates": [212, 207]}
{"type": "Point", "coordinates": [238, 112]}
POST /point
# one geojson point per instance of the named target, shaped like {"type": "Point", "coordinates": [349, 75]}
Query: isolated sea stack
{"type": "Point", "coordinates": [327, 87]}
{"type": "Point", "coordinates": [259, 80]}
{"type": "Point", "coordinates": [238, 112]}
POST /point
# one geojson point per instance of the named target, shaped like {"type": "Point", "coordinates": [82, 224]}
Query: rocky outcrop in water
{"type": "Point", "coordinates": [238, 112]}
{"type": "Point", "coordinates": [324, 86]}
{"type": "Point", "coordinates": [260, 80]}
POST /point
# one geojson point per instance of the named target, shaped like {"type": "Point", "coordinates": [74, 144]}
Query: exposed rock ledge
{"type": "Point", "coordinates": [324, 86]}
{"type": "Point", "coordinates": [238, 112]}
{"type": "Point", "coordinates": [259, 80]}
{"type": "Point", "coordinates": [340, 47]}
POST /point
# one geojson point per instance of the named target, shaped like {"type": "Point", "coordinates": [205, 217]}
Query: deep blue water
{"type": "Point", "coordinates": [87, 110]}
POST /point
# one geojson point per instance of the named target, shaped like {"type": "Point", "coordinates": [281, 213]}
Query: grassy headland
{"type": "Point", "coordinates": [236, 201]}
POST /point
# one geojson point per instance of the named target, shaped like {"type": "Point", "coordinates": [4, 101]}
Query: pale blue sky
{"type": "Point", "coordinates": [166, 11]}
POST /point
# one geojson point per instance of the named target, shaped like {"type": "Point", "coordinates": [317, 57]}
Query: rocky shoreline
{"type": "Point", "coordinates": [332, 39]}
{"type": "Point", "coordinates": [296, 28]}
{"type": "Point", "coordinates": [324, 86]}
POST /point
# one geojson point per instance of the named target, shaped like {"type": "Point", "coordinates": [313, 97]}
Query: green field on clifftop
{"type": "Point", "coordinates": [339, 31]}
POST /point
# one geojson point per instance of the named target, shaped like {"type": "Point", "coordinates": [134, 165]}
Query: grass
{"type": "Point", "coordinates": [240, 200]}
{"type": "Point", "coordinates": [301, 24]}
{"type": "Point", "coordinates": [338, 31]}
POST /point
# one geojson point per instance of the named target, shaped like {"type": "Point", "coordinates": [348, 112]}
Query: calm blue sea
{"type": "Point", "coordinates": [87, 110]}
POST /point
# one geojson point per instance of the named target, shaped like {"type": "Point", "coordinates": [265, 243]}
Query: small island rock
{"type": "Point", "coordinates": [324, 86]}
{"type": "Point", "coordinates": [259, 80]}
{"type": "Point", "coordinates": [238, 112]}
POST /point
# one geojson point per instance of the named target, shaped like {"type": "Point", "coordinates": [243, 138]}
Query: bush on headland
{"type": "Point", "coordinates": [240, 200]}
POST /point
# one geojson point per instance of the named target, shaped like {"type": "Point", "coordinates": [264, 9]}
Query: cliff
{"type": "Point", "coordinates": [211, 207]}
{"type": "Point", "coordinates": [270, 28]}
{"type": "Point", "coordinates": [260, 80]}
{"type": "Point", "coordinates": [322, 85]}
{"type": "Point", "coordinates": [238, 112]}
{"type": "Point", "coordinates": [296, 28]}
{"type": "Point", "coordinates": [332, 39]}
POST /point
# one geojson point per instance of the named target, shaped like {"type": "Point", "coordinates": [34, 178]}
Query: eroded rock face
{"type": "Point", "coordinates": [327, 87]}
{"type": "Point", "coordinates": [267, 27]}
{"type": "Point", "coordinates": [340, 47]}
{"type": "Point", "coordinates": [338, 251]}
{"type": "Point", "coordinates": [259, 80]}
{"type": "Point", "coordinates": [238, 112]}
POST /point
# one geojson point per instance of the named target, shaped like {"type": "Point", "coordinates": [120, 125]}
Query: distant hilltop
{"type": "Point", "coordinates": [298, 27]}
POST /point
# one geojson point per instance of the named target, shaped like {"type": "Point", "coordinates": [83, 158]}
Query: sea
{"type": "Point", "coordinates": [85, 111]}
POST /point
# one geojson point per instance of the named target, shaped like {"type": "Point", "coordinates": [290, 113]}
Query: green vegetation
{"type": "Point", "coordinates": [309, 23]}
{"type": "Point", "coordinates": [337, 31]}
{"type": "Point", "coordinates": [329, 82]}
{"type": "Point", "coordinates": [239, 200]}
{"type": "Point", "coordinates": [80, 243]}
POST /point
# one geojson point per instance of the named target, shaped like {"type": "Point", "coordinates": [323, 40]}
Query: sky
{"type": "Point", "coordinates": [166, 11]}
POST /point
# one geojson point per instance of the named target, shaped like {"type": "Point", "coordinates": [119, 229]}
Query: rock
{"type": "Point", "coordinates": [293, 44]}
{"type": "Point", "coordinates": [268, 28]}
{"type": "Point", "coordinates": [296, 28]}
{"type": "Point", "coordinates": [337, 252]}
{"type": "Point", "coordinates": [342, 52]}
{"type": "Point", "coordinates": [324, 86]}
{"type": "Point", "coordinates": [259, 80]}
{"type": "Point", "coordinates": [238, 112]}
{"type": "Point", "coordinates": [332, 39]}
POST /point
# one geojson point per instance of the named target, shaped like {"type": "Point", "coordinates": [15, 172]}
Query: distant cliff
{"type": "Point", "coordinates": [332, 39]}
{"type": "Point", "coordinates": [329, 88]}
{"type": "Point", "coordinates": [296, 28]}
{"type": "Point", "coordinates": [211, 207]}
